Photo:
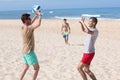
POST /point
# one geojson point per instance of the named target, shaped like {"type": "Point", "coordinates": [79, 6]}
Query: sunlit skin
{"type": "Point", "coordinates": [91, 23]}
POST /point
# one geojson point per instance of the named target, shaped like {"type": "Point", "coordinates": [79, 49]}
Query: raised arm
{"type": "Point", "coordinates": [34, 18]}
{"type": "Point", "coordinates": [69, 28]}
{"type": "Point", "coordinates": [62, 29]}
{"type": "Point", "coordinates": [39, 21]}
{"type": "Point", "coordinates": [84, 27]}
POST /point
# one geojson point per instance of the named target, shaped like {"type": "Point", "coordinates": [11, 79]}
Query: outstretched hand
{"type": "Point", "coordinates": [82, 20]}
{"type": "Point", "coordinates": [37, 13]}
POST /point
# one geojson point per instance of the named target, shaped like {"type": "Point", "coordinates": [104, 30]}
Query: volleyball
{"type": "Point", "coordinates": [36, 8]}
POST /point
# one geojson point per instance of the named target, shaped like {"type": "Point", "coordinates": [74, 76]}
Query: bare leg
{"type": "Point", "coordinates": [80, 69]}
{"type": "Point", "coordinates": [87, 70]}
{"type": "Point", "coordinates": [24, 71]}
{"type": "Point", "coordinates": [67, 40]}
{"type": "Point", "coordinates": [36, 69]}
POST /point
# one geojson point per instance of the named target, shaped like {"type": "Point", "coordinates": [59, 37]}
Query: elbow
{"type": "Point", "coordinates": [83, 30]}
{"type": "Point", "coordinates": [39, 24]}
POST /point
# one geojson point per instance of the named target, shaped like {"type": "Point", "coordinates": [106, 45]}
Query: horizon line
{"type": "Point", "coordinates": [61, 8]}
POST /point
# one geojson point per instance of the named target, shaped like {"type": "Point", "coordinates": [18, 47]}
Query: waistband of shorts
{"type": "Point", "coordinates": [90, 53]}
{"type": "Point", "coordinates": [28, 52]}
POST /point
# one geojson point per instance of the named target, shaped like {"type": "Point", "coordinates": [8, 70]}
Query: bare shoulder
{"type": "Point", "coordinates": [67, 24]}
{"type": "Point", "coordinates": [23, 27]}
{"type": "Point", "coordinates": [63, 25]}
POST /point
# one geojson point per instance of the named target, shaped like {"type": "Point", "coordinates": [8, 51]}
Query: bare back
{"type": "Point", "coordinates": [28, 39]}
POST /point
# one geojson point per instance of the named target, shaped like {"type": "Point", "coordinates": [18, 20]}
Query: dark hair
{"type": "Point", "coordinates": [94, 19]}
{"type": "Point", "coordinates": [25, 17]}
{"type": "Point", "coordinates": [64, 19]}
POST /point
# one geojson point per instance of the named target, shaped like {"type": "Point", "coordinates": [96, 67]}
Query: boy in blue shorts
{"type": "Point", "coordinates": [89, 49]}
{"type": "Point", "coordinates": [65, 30]}
{"type": "Point", "coordinates": [29, 44]}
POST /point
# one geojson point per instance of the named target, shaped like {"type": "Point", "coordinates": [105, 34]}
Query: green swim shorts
{"type": "Point", "coordinates": [65, 35]}
{"type": "Point", "coordinates": [30, 58]}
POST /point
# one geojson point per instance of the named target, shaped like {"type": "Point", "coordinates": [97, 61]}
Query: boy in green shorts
{"type": "Point", "coordinates": [28, 43]}
{"type": "Point", "coordinates": [65, 30]}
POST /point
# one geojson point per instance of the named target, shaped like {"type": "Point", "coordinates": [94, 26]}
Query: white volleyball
{"type": "Point", "coordinates": [36, 8]}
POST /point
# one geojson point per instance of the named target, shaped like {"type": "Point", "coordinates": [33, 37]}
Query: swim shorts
{"type": "Point", "coordinates": [87, 58]}
{"type": "Point", "coordinates": [30, 58]}
{"type": "Point", "coordinates": [65, 35]}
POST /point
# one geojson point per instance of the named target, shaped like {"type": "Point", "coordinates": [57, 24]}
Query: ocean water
{"type": "Point", "coordinates": [102, 13]}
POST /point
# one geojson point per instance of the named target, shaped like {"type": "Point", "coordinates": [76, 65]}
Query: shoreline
{"type": "Point", "coordinates": [100, 19]}
{"type": "Point", "coordinates": [68, 19]}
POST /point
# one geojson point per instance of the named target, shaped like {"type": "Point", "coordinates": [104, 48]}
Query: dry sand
{"type": "Point", "coordinates": [57, 60]}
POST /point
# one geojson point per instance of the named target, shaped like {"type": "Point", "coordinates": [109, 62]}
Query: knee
{"type": "Point", "coordinates": [87, 71]}
{"type": "Point", "coordinates": [37, 68]}
{"type": "Point", "coordinates": [79, 67]}
{"type": "Point", "coordinates": [26, 67]}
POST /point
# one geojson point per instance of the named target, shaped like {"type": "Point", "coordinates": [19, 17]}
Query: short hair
{"type": "Point", "coordinates": [65, 19]}
{"type": "Point", "coordinates": [94, 19]}
{"type": "Point", "coordinates": [25, 17]}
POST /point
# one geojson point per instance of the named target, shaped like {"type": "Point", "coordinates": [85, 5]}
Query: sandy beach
{"type": "Point", "coordinates": [57, 60]}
